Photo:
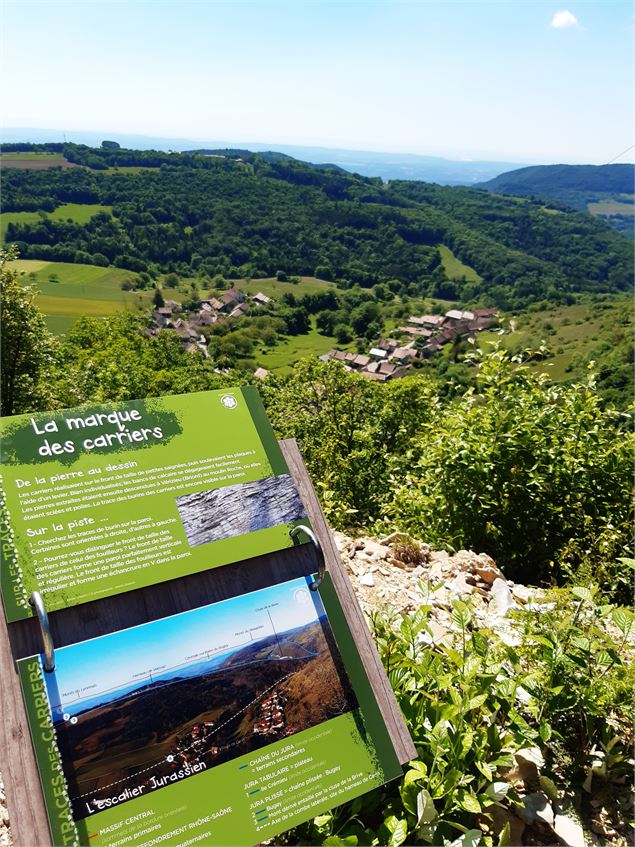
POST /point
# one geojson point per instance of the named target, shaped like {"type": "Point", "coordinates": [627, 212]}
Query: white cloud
{"type": "Point", "coordinates": [564, 19]}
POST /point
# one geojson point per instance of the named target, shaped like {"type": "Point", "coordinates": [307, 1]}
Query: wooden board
{"type": "Point", "coordinates": [27, 814]}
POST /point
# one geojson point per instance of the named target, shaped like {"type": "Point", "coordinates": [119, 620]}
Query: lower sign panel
{"type": "Point", "coordinates": [224, 725]}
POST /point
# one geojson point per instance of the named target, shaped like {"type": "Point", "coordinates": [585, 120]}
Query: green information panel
{"type": "Point", "coordinates": [100, 500]}
{"type": "Point", "coordinates": [224, 725]}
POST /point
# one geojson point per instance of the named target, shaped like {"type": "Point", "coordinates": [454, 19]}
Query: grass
{"type": "Point", "coordinates": [281, 357]}
{"type": "Point", "coordinates": [274, 289]}
{"type": "Point", "coordinates": [454, 268]}
{"type": "Point", "coordinates": [79, 213]}
{"type": "Point", "coordinates": [34, 161]}
{"type": "Point", "coordinates": [80, 290]}
{"type": "Point", "coordinates": [611, 207]}
{"type": "Point", "coordinates": [129, 169]}
{"type": "Point", "coordinates": [570, 333]}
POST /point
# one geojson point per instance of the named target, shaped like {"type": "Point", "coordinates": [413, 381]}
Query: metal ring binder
{"type": "Point", "coordinates": [293, 532]}
{"type": "Point", "coordinates": [47, 639]}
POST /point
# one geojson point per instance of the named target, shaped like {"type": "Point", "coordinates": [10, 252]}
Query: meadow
{"type": "Point", "coordinates": [68, 291]}
{"type": "Point", "coordinates": [570, 333]}
{"type": "Point", "coordinates": [282, 357]}
{"type": "Point", "coordinates": [613, 207]}
{"type": "Point", "coordinates": [454, 268]}
{"type": "Point", "coordinates": [79, 213]}
{"type": "Point", "coordinates": [34, 161]}
{"type": "Point", "coordinates": [275, 289]}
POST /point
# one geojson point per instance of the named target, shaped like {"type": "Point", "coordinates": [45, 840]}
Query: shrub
{"type": "Point", "coordinates": [537, 475]}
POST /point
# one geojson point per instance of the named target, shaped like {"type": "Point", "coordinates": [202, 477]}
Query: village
{"type": "Point", "coordinates": [196, 743]}
{"type": "Point", "coordinates": [388, 358]}
{"type": "Point", "coordinates": [421, 337]}
{"type": "Point", "coordinates": [189, 326]}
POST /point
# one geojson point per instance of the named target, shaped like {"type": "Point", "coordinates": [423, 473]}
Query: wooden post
{"type": "Point", "coordinates": [27, 814]}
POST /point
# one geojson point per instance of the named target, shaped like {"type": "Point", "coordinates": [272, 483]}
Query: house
{"type": "Point", "coordinates": [230, 299]}
{"type": "Point", "coordinates": [261, 299]}
{"type": "Point", "coordinates": [415, 331]}
{"type": "Point", "coordinates": [387, 344]}
{"type": "Point", "coordinates": [173, 305]}
{"type": "Point", "coordinates": [458, 315]}
{"type": "Point", "coordinates": [215, 303]}
{"type": "Point", "coordinates": [239, 311]}
{"type": "Point", "coordinates": [377, 353]}
{"type": "Point", "coordinates": [361, 360]}
{"type": "Point", "coordinates": [433, 321]}
{"type": "Point", "coordinates": [403, 355]}
{"type": "Point", "coordinates": [338, 355]}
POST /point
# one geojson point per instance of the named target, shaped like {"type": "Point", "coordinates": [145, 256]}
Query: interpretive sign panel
{"type": "Point", "coordinates": [223, 725]}
{"type": "Point", "coordinates": [100, 500]}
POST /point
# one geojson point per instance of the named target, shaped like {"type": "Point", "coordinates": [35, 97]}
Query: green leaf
{"type": "Point", "coordinates": [471, 838]}
{"type": "Point", "coordinates": [545, 731]}
{"type": "Point", "coordinates": [398, 830]}
{"type": "Point", "coordinates": [336, 841]}
{"type": "Point", "coordinates": [582, 593]}
{"type": "Point", "coordinates": [485, 769]}
{"type": "Point", "coordinates": [622, 619]}
{"type": "Point", "coordinates": [504, 839]}
{"type": "Point", "coordinates": [496, 791]}
{"type": "Point", "coordinates": [470, 803]}
{"type": "Point", "coordinates": [426, 811]}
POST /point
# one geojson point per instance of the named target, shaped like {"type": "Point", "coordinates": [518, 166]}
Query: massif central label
{"type": "Point", "coordinates": [224, 725]}
{"type": "Point", "coordinates": [100, 500]}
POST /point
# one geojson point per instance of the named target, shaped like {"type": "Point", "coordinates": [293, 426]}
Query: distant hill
{"type": "Point", "coordinates": [440, 169]}
{"type": "Point", "coordinates": [250, 216]}
{"type": "Point", "coordinates": [602, 190]}
{"type": "Point", "coordinates": [265, 155]}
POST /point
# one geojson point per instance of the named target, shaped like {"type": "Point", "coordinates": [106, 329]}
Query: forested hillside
{"type": "Point", "coordinates": [602, 190]}
{"type": "Point", "coordinates": [250, 216]}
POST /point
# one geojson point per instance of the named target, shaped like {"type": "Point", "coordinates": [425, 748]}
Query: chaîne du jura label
{"type": "Point", "coordinates": [254, 716]}
{"type": "Point", "coordinates": [99, 500]}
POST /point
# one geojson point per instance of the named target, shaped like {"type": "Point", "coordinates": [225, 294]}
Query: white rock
{"type": "Point", "coordinates": [522, 593]}
{"type": "Point", "coordinates": [569, 830]}
{"type": "Point", "coordinates": [367, 579]}
{"type": "Point", "coordinates": [536, 807]}
{"type": "Point", "coordinates": [502, 599]}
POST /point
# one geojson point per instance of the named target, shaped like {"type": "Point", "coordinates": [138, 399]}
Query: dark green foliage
{"type": "Point", "coordinates": [545, 180]}
{"type": "Point", "coordinates": [537, 475]}
{"type": "Point", "coordinates": [348, 429]}
{"type": "Point", "coordinates": [471, 702]}
{"type": "Point", "coordinates": [26, 347]}
{"type": "Point", "coordinates": [253, 216]}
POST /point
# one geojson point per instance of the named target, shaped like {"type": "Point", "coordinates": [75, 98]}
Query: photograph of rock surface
{"type": "Point", "coordinates": [239, 509]}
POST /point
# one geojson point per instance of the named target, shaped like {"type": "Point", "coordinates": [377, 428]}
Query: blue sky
{"type": "Point", "coordinates": [460, 79]}
{"type": "Point", "coordinates": [113, 660]}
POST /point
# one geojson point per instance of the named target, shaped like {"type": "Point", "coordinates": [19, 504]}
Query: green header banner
{"type": "Point", "coordinates": [224, 725]}
{"type": "Point", "coordinates": [100, 500]}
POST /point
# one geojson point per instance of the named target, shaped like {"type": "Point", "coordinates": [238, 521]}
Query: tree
{"type": "Point", "coordinates": [172, 280]}
{"type": "Point", "coordinates": [157, 298]}
{"type": "Point", "coordinates": [26, 346]}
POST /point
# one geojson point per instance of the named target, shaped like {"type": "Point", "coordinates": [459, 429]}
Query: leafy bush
{"type": "Point", "coordinates": [537, 475]}
{"type": "Point", "coordinates": [348, 429]}
{"type": "Point", "coordinates": [472, 701]}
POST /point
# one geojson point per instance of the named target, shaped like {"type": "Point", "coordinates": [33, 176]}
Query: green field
{"type": "Point", "coordinates": [454, 268]}
{"type": "Point", "coordinates": [34, 161]}
{"type": "Point", "coordinates": [611, 207]}
{"type": "Point", "coordinates": [281, 357]}
{"type": "Point", "coordinates": [571, 333]}
{"type": "Point", "coordinates": [79, 290]}
{"type": "Point", "coordinates": [79, 213]}
{"type": "Point", "coordinates": [272, 288]}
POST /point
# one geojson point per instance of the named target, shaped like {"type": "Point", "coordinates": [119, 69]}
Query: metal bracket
{"type": "Point", "coordinates": [47, 639]}
{"type": "Point", "coordinates": [294, 532]}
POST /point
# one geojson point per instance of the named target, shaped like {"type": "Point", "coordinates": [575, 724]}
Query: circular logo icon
{"type": "Point", "coordinates": [229, 401]}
